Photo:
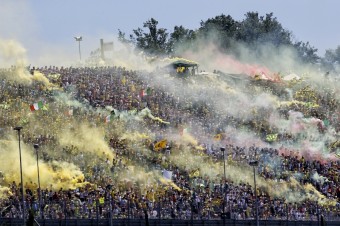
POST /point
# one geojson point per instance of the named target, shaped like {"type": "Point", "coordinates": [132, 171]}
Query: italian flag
{"type": "Point", "coordinates": [36, 106]}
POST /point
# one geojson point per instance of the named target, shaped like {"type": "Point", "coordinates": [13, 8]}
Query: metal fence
{"type": "Point", "coordinates": [164, 222]}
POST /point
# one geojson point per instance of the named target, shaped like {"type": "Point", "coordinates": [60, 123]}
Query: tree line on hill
{"type": "Point", "coordinates": [253, 32]}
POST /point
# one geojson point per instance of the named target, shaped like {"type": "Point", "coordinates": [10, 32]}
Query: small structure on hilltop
{"type": "Point", "coordinates": [180, 66]}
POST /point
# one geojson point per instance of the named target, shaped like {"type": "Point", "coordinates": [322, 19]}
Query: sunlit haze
{"type": "Point", "coordinates": [46, 27]}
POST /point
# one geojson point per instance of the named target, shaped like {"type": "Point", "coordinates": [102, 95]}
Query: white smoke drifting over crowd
{"type": "Point", "coordinates": [228, 106]}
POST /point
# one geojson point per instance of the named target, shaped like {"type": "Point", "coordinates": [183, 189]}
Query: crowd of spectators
{"type": "Point", "coordinates": [198, 197]}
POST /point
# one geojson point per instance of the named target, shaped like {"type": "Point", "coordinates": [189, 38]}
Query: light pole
{"type": "Point", "coordinates": [18, 128]}
{"type": "Point", "coordinates": [318, 213]}
{"type": "Point", "coordinates": [36, 147]}
{"type": "Point", "coordinates": [79, 39]}
{"type": "Point", "coordinates": [110, 203]}
{"type": "Point", "coordinates": [159, 208]}
{"type": "Point", "coordinates": [287, 212]}
{"type": "Point", "coordinates": [223, 151]}
{"type": "Point", "coordinates": [254, 163]}
{"type": "Point", "coordinates": [223, 212]}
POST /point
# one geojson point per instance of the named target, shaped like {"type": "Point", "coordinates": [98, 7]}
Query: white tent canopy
{"type": "Point", "coordinates": [291, 77]}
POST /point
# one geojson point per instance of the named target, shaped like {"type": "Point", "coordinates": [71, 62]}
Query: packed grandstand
{"type": "Point", "coordinates": [178, 147]}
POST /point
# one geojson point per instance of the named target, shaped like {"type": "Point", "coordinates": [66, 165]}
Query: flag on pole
{"type": "Point", "coordinates": [36, 106]}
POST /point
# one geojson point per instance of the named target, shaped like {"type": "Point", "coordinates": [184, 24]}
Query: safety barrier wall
{"type": "Point", "coordinates": [164, 222]}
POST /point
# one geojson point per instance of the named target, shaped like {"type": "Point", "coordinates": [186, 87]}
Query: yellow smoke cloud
{"type": "Point", "coordinates": [53, 175]}
{"type": "Point", "coordinates": [291, 190]}
{"type": "Point", "coordinates": [12, 53]}
{"type": "Point", "coordinates": [87, 139]}
{"type": "Point", "coordinates": [38, 76]}
{"type": "Point", "coordinates": [134, 136]}
{"type": "Point", "coordinates": [187, 138]}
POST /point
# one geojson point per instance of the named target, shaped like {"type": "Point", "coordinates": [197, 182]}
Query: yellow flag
{"type": "Point", "coordinates": [160, 145]}
{"type": "Point", "coordinates": [194, 173]}
{"type": "Point", "coordinates": [218, 137]}
{"type": "Point", "coordinates": [133, 88]}
{"type": "Point", "coordinates": [123, 80]}
{"type": "Point", "coordinates": [333, 146]}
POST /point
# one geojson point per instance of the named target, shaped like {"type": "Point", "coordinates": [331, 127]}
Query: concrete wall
{"type": "Point", "coordinates": [165, 222]}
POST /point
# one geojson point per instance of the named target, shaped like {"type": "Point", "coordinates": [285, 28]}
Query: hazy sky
{"type": "Point", "coordinates": [45, 27]}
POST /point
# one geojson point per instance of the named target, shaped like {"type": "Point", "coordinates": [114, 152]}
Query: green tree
{"type": "Point", "coordinates": [333, 55]}
{"type": "Point", "coordinates": [331, 58]}
{"type": "Point", "coordinates": [153, 41]}
{"type": "Point", "coordinates": [255, 30]}
{"type": "Point", "coordinates": [122, 38]}
{"type": "Point", "coordinates": [180, 38]}
{"type": "Point", "coordinates": [221, 29]}
{"type": "Point", "coordinates": [306, 52]}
